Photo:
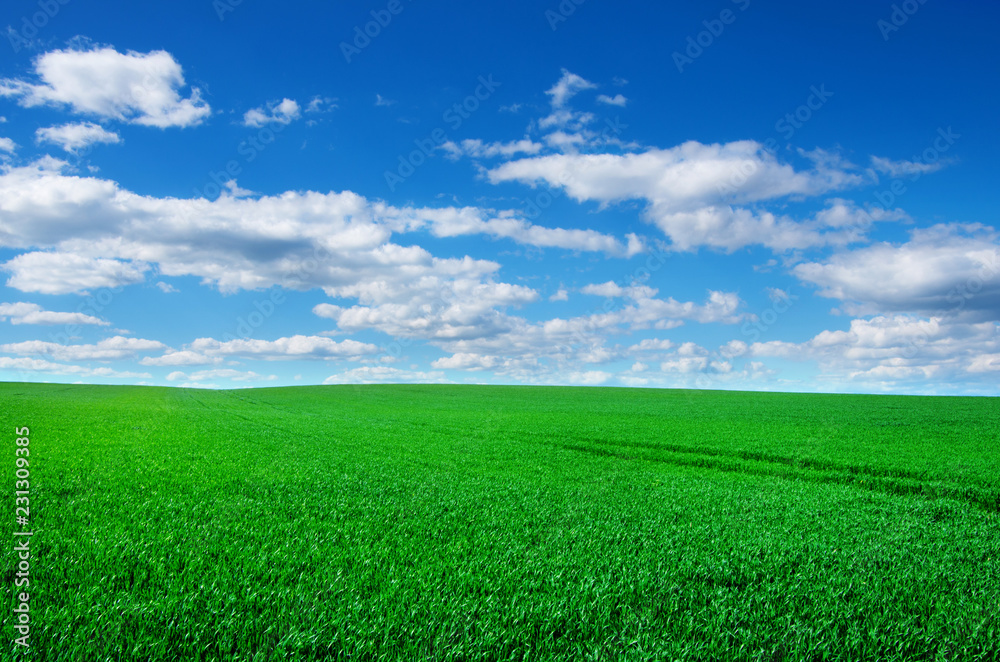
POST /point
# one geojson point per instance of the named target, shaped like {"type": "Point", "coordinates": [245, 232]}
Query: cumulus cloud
{"type": "Point", "coordinates": [294, 347]}
{"type": "Point", "coordinates": [652, 345]}
{"type": "Point", "coordinates": [478, 149]}
{"type": "Point", "coordinates": [201, 376]}
{"type": "Point", "coordinates": [546, 351]}
{"type": "Point", "coordinates": [285, 111]}
{"type": "Point", "coordinates": [588, 377]}
{"type": "Point", "coordinates": [62, 273]}
{"type": "Point", "coordinates": [140, 88]}
{"type": "Point", "coordinates": [690, 191]}
{"type": "Point", "coordinates": [32, 313]}
{"type": "Point", "coordinates": [720, 306]}
{"type": "Point", "coordinates": [617, 100]}
{"type": "Point", "coordinates": [944, 269]}
{"type": "Point", "coordinates": [41, 365]}
{"type": "Point", "coordinates": [99, 235]}
{"type": "Point", "coordinates": [109, 349]}
{"type": "Point", "coordinates": [7, 145]}
{"type": "Point", "coordinates": [320, 104]}
{"type": "Point", "coordinates": [384, 374]}
{"type": "Point", "coordinates": [896, 348]}
{"type": "Point", "coordinates": [180, 358]}
{"type": "Point", "coordinates": [568, 85]}
{"type": "Point", "coordinates": [74, 137]}
{"type": "Point", "coordinates": [466, 361]}
{"type": "Point", "coordinates": [461, 308]}
{"type": "Point", "coordinates": [905, 168]}
{"type": "Point", "coordinates": [506, 225]}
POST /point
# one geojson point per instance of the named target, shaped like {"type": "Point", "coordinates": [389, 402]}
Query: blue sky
{"type": "Point", "coordinates": [735, 194]}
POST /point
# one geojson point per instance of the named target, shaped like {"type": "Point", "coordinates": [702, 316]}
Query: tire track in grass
{"type": "Point", "coordinates": [983, 498]}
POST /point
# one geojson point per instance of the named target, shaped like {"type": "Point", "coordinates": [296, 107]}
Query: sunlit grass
{"type": "Point", "coordinates": [507, 523]}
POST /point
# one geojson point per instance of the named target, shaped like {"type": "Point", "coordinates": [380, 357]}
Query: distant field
{"type": "Point", "coordinates": [504, 523]}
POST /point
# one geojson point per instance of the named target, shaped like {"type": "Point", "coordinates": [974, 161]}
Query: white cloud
{"type": "Point", "coordinates": [98, 234]}
{"type": "Point", "coordinates": [39, 365]}
{"type": "Point", "coordinates": [180, 358]}
{"type": "Point", "coordinates": [560, 295]}
{"type": "Point", "coordinates": [285, 111]}
{"type": "Point", "coordinates": [941, 269]}
{"type": "Point", "coordinates": [62, 273]}
{"type": "Point", "coordinates": [569, 120]}
{"type": "Point", "coordinates": [382, 101]}
{"type": "Point", "coordinates": [445, 309]}
{"type": "Point", "coordinates": [547, 351]}
{"type": "Point", "coordinates": [617, 100]}
{"type": "Point", "coordinates": [612, 289]}
{"type": "Point", "coordinates": [566, 87]}
{"type": "Point", "coordinates": [892, 348]}
{"type": "Point", "coordinates": [141, 88]}
{"type": "Point", "coordinates": [466, 361]}
{"type": "Point", "coordinates": [985, 363]}
{"type": "Point", "coordinates": [166, 288]}
{"type": "Point", "coordinates": [73, 137]}
{"type": "Point", "coordinates": [109, 349]}
{"type": "Point", "coordinates": [453, 223]}
{"type": "Point", "coordinates": [383, 374]}
{"type": "Point", "coordinates": [40, 206]}
{"type": "Point", "coordinates": [478, 149]}
{"type": "Point", "coordinates": [320, 104]}
{"type": "Point", "coordinates": [295, 347]}
{"type": "Point", "coordinates": [720, 306]}
{"type": "Point", "coordinates": [562, 118]}
{"type": "Point", "coordinates": [32, 313]}
{"type": "Point", "coordinates": [683, 178]}
{"type": "Point", "coordinates": [652, 345]}
{"type": "Point", "coordinates": [690, 190]}
{"type": "Point", "coordinates": [220, 373]}
{"type": "Point", "coordinates": [588, 377]}
{"type": "Point", "coordinates": [905, 168]}
{"type": "Point", "coordinates": [7, 145]}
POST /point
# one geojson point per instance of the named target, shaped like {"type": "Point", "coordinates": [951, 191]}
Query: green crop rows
{"type": "Point", "coordinates": [505, 523]}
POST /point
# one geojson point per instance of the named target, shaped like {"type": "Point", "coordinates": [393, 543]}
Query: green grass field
{"type": "Point", "coordinates": [504, 523]}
